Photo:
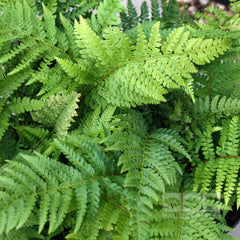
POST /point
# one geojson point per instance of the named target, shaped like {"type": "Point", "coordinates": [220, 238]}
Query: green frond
{"type": "Point", "coordinates": [186, 213]}
{"type": "Point", "coordinates": [58, 112]}
{"type": "Point", "coordinates": [141, 45]}
{"type": "Point", "coordinates": [129, 18]}
{"type": "Point", "coordinates": [107, 14]}
{"type": "Point", "coordinates": [49, 22]}
{"type": "Point", "coordinates": [26, 104]}
{"type": "Point", "coordinates": [170, 14]}
{"type": "Point", "coordinates": [158, 121]}
{"type": "Point", "coordinates": [97, 123]}
{"type": "Point", "coordinates": [169, 67]}
{"type": "Point", "coordinates": [52, 182]}
{"type": "Point", "coordinates": [155, 10]}
{"type": "Point", "coordinates": [92, 46]}
{"type": "Point", "coordinates": [218, 106]}
{"type": "Point", "coordinates": [221, 19]}
{"type": "Point", "coordinates": [20, 38]}
{"type": "Point", "coordinates": [144, 16]}
{"type": "Point", "coordinates": [154, 42]}
{"type": "Point", "coordinates": [23, 233]}
{"type": "Point", "coordinates": [16, 106]}
{"type": "Point", "coordinates": [149, 164]}
{"type": "Point", "coordinates": [8, 84]}
{"type": "Point", "coordinates": [69, 32]}
{"type": "Point", "coordinates": [81, 194]}
{"type": "Point", "coordinates": [33, 137]}
{"type": "Point", "coordinates": [220, 171]}
{"type": "Point", "coordinates": [225, 80]}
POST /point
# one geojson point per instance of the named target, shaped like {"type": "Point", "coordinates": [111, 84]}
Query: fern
{"type": "Point", "coordinates": [58, 112]}
{"type": "Point", "coordinates": [117, 129]}
{"type": "Point", "coordinates": [222, 19]}
{"type": "Point", "coordinates": [144, 12]}
{"type": "Point", "coordinates": [224, 164]}
{"type": "Point", "coordinates": [159, 65]}
{"type": "Point", "coordinates": [148, 170]}
{"type": "Point", "coordinates": [101, 20]}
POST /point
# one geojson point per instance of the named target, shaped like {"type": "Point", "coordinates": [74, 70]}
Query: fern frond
{"type": "Point", "coordinates": [223, 80]}
{"type": "Point", "coordinates": [41, 180]}
{"type": "Point", "coordinates": [25, 105]}
{"type": "Point", "coordinates": [186, 213]}
{"type": "Point", "coordinates": [33, 137]}
{"type": "Point", "coordinates": [171, 64]}
{"type": "Point", "coordinates": [58, 112]}
{"type": "Point", "coordinates": [220, 171]}
{"type": "Point", "coordinates": [25, 46]}
{"type": "Point", "coordinates": [97, 122]}
{"type": "Point", "coordinates": [106, 15]}
{"type": "Point", "coordinates": [155, 10]}
{"type": "Point", "coordinates": [218, 107]}
{"type": "Point", "coordinates": [24, 233]}
{"type": "Point", "coordinates": [17, 106]}
{"type": "Point", "coordinates": [144, 17]}
{"type": "Point", "coordinates": [69, 32]}
{"type": "Point", "coordinates": [8, 84]}
{"type": "Point", "coordinates": [129, 18]}
{"type": "Point", "coordinates": [219, 18]}
{"type": "Point", "coordinates": [149, 165]}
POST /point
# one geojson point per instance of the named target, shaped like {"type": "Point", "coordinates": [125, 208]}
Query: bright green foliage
{"type": "Point", "coordinates": [109, 129]}
{"type": "Point", "coordinates": [58, 112]}
{"type": "Point", "coordinates": [106, 15]}
{"type": "Point", "coordinates": [222, 161]}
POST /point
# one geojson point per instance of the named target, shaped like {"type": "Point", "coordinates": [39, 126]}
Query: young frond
{"type": "Point", "coordinates": [58, 112]}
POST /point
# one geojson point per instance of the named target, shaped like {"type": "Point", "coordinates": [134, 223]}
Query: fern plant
{"type": "Point", "coordinates": [116, 130]}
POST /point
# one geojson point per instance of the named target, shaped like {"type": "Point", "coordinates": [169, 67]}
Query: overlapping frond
{"type": "Point", "coordinates": [99, 169]}
{"type": "Point", "coordinates": [19, 38]}
{"type": "Point", "coordinates": [149, 166]}
{"type": "Point", "coordinates": [55, 186]}
{"type": "Point", "coordinates": [143, 76]}
{"type": "Point", "coordinates": [218, 18]}
{"type": "Point", "coordinates": [187, 213]}
{"type": "Point", "coordinates": [17, 106]}
{"type": "Point", "coordinates": [220, 170]}
{"type": "Point", "coordinates": [58, 112]}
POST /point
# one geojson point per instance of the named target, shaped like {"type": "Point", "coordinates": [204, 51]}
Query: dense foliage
{"type": "Point", "coordinates": [115, 125]}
